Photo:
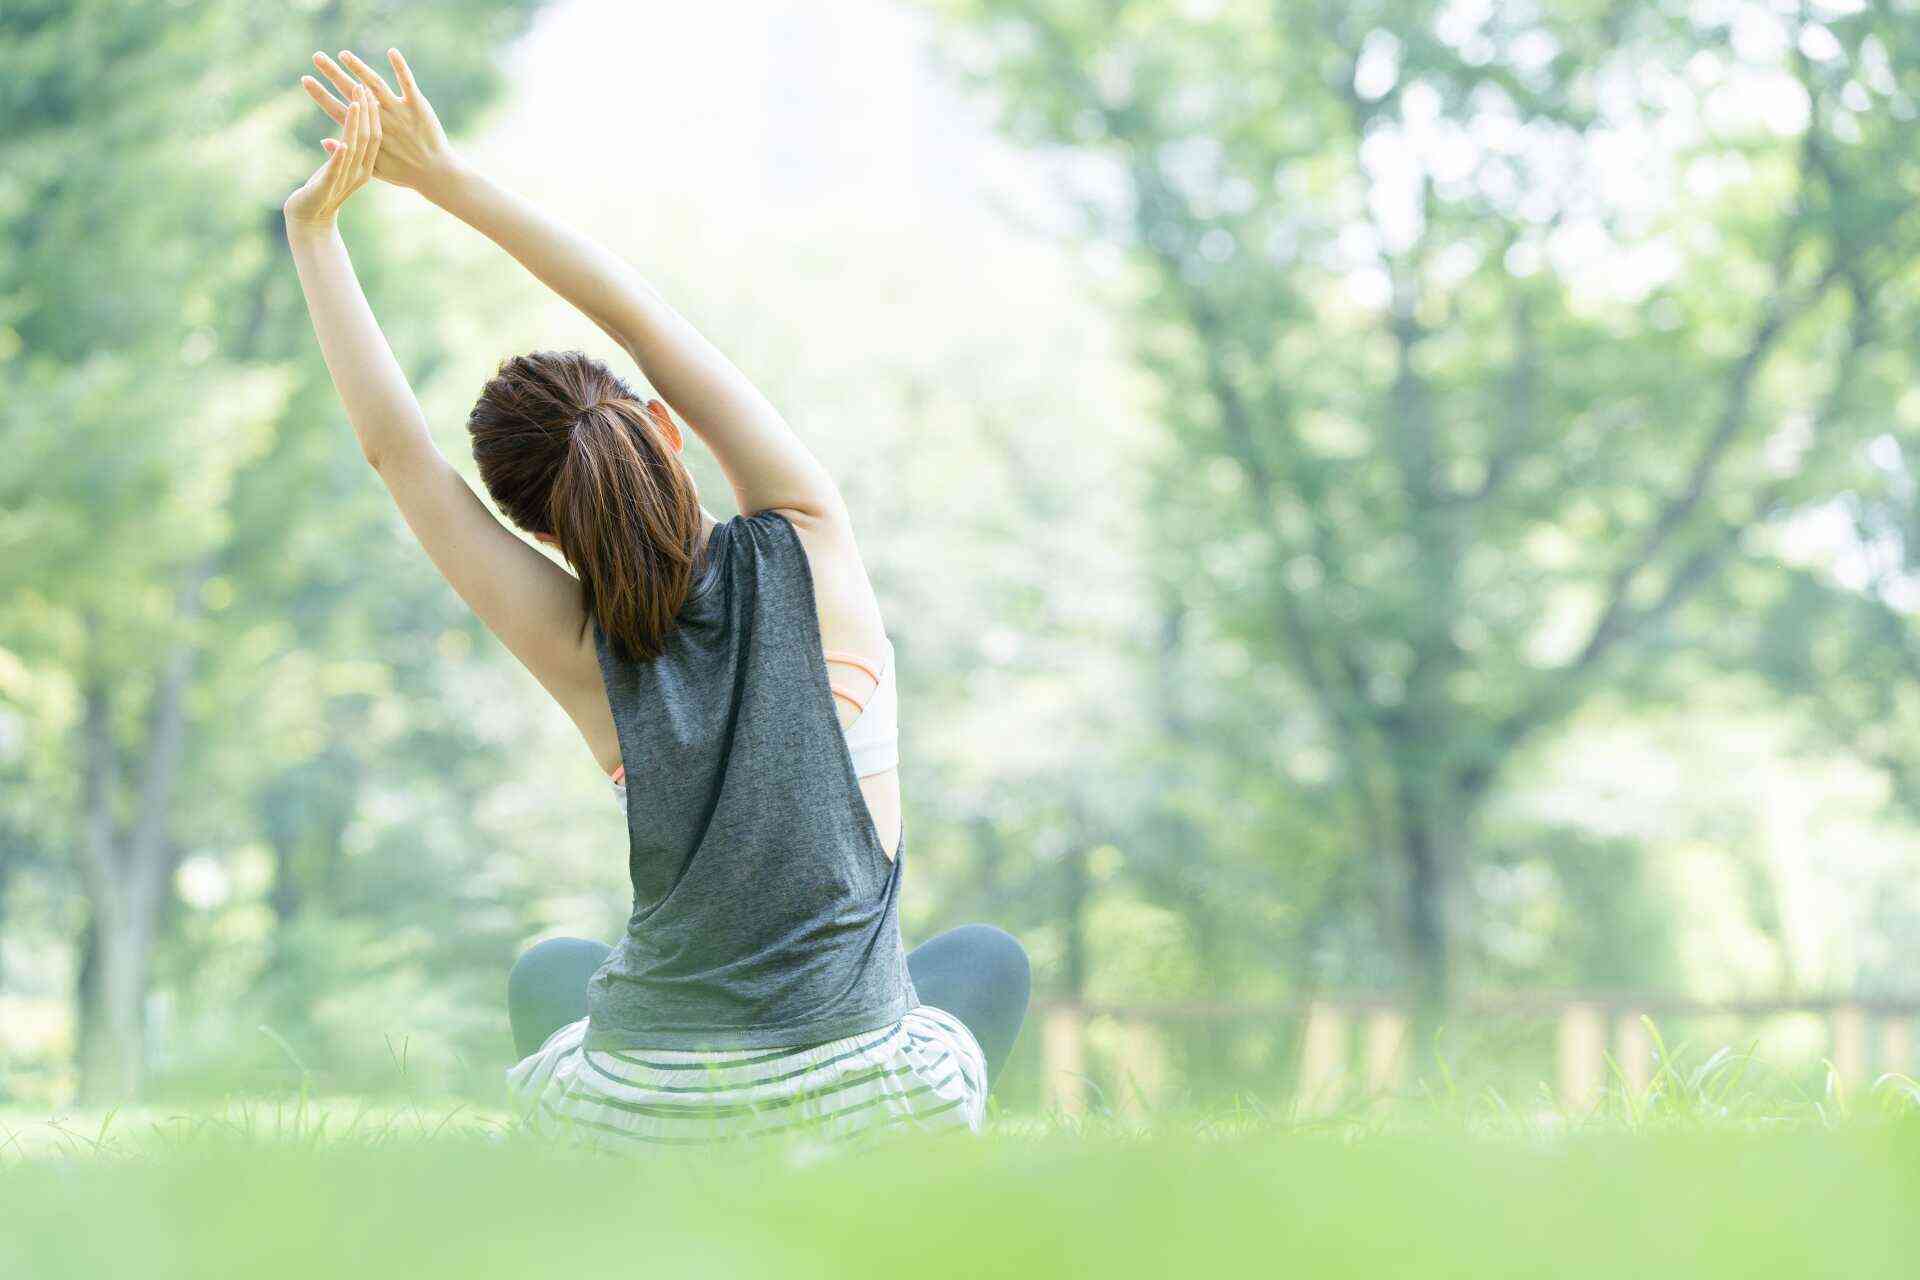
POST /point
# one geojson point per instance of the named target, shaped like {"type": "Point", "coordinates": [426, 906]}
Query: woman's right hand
{"type": "Point", "coordinates": [414, 151]}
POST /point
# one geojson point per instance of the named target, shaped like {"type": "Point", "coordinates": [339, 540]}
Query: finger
{"type": "Point", "coordinates": [404, 74]}
{"type": "Point", "coordinates": [368, 76]}
{"type": "Point", "coordinates": [328, 103]}
{"type": "Point", "coordinates": [379, 132]}
{"type": "Point", "coordinates": [336, 156]}
{"type": "Point", "coordinates": [363, 153]}
{"type": "Point", "coordinates": [348, 135]}
{"type": "Point", "coordinates": [361, 112]}
{"type": "Point", "coordinates": [332, 71]}
{"type": "Point", "coordinates": [369, 137]}
{"type": "Point", "coordinates": [322, 179]}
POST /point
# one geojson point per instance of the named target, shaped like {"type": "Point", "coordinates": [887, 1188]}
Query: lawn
{"type": "Point", "coordinates": [1690, 1179]}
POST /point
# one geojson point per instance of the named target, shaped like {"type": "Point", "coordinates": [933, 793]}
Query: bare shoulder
{"type": "Point", "coordinates": [843, 594]}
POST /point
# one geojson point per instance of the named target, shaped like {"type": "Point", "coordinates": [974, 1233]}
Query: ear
{"type": "Point", "coordinates": [657, 410]}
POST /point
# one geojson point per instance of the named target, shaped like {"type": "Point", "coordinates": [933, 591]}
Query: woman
{"type": "Point", "coordinates": [733, 678]}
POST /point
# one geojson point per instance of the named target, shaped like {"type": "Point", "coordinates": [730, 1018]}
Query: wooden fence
{"type": "Point", "coordinates": [1350, 1045]}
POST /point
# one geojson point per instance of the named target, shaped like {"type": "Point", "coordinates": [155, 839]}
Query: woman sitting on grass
{"type": "Point", "coordinates": [732, 677]}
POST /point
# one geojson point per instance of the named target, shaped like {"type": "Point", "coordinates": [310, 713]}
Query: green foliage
{"type": "Point", "coordinates": [1481, 371]}
{"type": "Point", "coordinates": [189, 540]}
{"type": "Point", "coordinates": [1498, 353]}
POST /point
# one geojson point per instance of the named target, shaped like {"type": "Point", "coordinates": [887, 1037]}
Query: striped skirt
{"type": "Point", "coordinates": [926, 1071]}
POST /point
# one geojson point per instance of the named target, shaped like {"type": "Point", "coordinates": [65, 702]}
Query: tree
{"type": "Point", "coordinates": [1488, 343]}
{"type": "Point", "coordinates": [152, 355]}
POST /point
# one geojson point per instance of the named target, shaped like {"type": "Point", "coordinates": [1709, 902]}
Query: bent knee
{"type": "Point", "coordinates": [999, 954]}
{"type": "Point", "coordinates": [557, 958]}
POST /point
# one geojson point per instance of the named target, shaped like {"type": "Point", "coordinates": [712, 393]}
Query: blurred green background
{"type": "Point", "coordinates": [1381, 499]}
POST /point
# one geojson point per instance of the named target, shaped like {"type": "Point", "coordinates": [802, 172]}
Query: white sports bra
{"type": "Point", "coordinates": [873, 739]}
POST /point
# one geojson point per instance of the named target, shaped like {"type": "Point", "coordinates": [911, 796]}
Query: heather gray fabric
{"type": "Point", "coordinates": [765, 911]}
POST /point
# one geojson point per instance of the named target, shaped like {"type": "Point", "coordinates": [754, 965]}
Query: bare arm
{"type": "Point", "coordinates": [533, 605]}
{"type": "Point", "coordinates": [766, 463]}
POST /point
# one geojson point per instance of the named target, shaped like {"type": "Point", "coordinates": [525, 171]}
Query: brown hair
{"type": "Point", "coordinates": [566, 448]}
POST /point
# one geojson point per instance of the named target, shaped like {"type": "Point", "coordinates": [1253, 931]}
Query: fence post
{"type": "Point", "coordinates": [1896, 1044]}
{"type": "Point", "coordinates": [1063, 1061]}
{"type": "Point", "coordinates": [1386, 1050]}
{"type": "Point", "coordinates": [1633, 1050]}
{"type": "Point", "coordinates": [1850, 1044]}
{"type": "Point", "coordinates": [1323, 1056]}
{"type": "Point", "coordinates": [1582, 1053]}
{"type": "Point", "coordinates": [1141, 1068]}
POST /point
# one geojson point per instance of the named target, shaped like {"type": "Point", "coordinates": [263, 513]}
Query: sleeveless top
{"type": "Point", "coordinates": [765, 909]}
{"type": "Point", "coordinates": [873, 739]}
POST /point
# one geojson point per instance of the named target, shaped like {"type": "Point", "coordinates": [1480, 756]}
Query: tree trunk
{"type": "Point", "coordinates": [86, 982]}
{"type": "Point", "coordinates": [1439, 824]}
{"type": "Point", "coordinates": [1429, 940]}
{"type": "Point", "coordinates": [109, 1039]}
{"type": "Point", "coordinates": [1429, 843]}
{"type": "Point", "coordinates": [127, 868]}
{"type": "Point", "coordinates": [115, 1039]}
{"type": "Point", "coordinates": [287, 894]}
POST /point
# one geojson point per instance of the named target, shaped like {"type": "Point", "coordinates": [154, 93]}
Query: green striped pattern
{"type": "Point", "coordinates": [924, 1072]}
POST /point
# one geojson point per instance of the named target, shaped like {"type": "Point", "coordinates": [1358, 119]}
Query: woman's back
{"type": "Point", "coordinates": [765, 908]}
{"type": "Point", "coordinates": [861, 675]}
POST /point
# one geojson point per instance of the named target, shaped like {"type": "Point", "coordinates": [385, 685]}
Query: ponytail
{"type": "Point", "coordinates": [625, 514]}
{"type": "Point", "coordinates": [565, 448]}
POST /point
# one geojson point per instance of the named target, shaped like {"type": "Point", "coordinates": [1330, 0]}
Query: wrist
{"type": "Point", "coordinates": [444, 181]}
{"type": "Point", "coordinates": [301, 231]}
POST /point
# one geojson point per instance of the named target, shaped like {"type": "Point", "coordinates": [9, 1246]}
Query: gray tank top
{"type": "Point", "coordinates": [766, 913]}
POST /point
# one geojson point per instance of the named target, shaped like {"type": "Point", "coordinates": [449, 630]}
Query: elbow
{"type": "Point", "coordinates": [381, 446]}
{"type": "Point", "coordinates": [404, 455]}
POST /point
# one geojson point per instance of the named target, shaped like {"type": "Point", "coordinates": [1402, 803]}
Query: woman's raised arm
{"type": "Point", "coordinates": [766, 463]}
{"type": "Point", "coordinates": [533, 605]}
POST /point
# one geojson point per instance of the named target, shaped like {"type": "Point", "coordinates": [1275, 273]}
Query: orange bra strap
{"type": "Point", "coordinates": [853, 660]}
{"type": "Point", "coordinates": [620, 774]}
{"type": "Point", "coordinates": [859, 704]}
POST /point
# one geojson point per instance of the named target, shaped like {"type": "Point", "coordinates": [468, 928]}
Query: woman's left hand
{"type": "Point", "coordinates": [349, 167]}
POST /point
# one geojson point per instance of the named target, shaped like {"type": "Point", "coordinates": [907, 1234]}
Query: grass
{"type": "Point", "coordinates": [1716, 1168]}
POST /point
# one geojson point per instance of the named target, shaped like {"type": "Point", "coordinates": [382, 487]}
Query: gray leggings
{"type": "Point", "coordinates": [977, 973]}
